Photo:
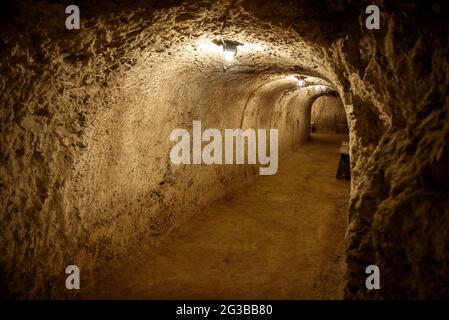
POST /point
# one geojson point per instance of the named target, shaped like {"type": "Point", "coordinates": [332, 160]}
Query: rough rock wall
{"type": "Point", "coordinates": [327, 111]}
{"type": "Point", "coordinates": [85, 135]}
{"type": "Point", "coordinates": [398, 90]}
{"type": "Point", "coordinates": [303, 117]}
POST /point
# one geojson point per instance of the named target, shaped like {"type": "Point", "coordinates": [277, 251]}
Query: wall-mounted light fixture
{"type": "Point", "coordinates": [229, 49]}
{"type": "Point", "coordinates": [320, 88]}
{"type": "Point", "coordinates": [228, 55]}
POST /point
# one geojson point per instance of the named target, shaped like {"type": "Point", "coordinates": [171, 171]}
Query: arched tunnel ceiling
{"type": "Point", "coordinates": [122, 35]}
{"type": "Point", "coordinates": [301, 36]}
{"type": "Point", "coordinates": [85, 112]}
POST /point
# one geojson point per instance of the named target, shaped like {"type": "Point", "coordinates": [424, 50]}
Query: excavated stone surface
{"type": "Point", "coordinates": [86, 117]}
{"type": "Point", "coordinates": [327, 112]}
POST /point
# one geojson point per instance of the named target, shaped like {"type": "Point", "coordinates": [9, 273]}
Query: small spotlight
{"type": "Point", "coordinates": [229, 55]}
{"type": "Point", "coordinates": [300, 83]}
{"type": "Point", "coordinates": [229, 49]}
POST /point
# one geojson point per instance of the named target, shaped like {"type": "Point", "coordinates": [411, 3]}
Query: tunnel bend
{"type": "Point", "coordinates": [305, 117]}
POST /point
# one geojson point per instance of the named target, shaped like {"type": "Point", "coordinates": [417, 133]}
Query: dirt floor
{"type": "Point", "coordinates": [281, 238]}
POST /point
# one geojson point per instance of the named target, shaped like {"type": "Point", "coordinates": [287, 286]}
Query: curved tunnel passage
{"type": "Point", "coordinates": [86, 176]}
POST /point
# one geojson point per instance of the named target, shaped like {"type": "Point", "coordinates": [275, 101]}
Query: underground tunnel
{"type": "Point", "coordinates": [355, 128]}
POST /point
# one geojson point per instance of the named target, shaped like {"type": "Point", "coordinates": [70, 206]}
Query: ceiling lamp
{"type": "Point", "coordinates": [229, 49]}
